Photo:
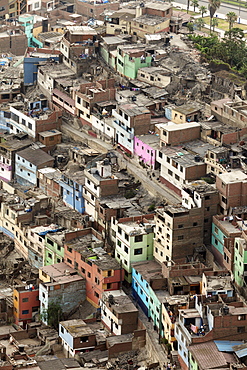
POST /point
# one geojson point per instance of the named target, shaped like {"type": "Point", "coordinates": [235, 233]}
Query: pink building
{"type": "Point", "coordinates": [145, 149]}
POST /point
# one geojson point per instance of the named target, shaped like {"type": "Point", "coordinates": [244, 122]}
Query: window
{"type": "Point", "coordinates": [25, 312]}
{"type": "Point", "coordinates": [138, 238]}
{"type": "Point", "coordinates": [49, 255]}
{"type": "Point", "coordinates": [96, 294]}
{"type": "Point", "coordinates": [126, 249]}
{"type": "Point", "coordinates": [180, 237]}
{"type": "Point", "coordinates": [62, 329]}
{"type": "Point", "coordinates": [82, 270]}
{"type": "Point", "coordinates": [69, 249]}
{"type": "Point", "coordinates": [126, 236]}
{"type": "Point", "coordinates": [241, 329]}
{"type": "Point", "coordinates": [195, 224]}
{"type": "Point", "coordinates": [118, 243]}
{"type": "Point", "coordinates": [84, 339]}
{"type": "Point", "coordinates": [69, 261]}
{"type": "Point", "coordinates": [180, 226]}
{"type": "Point", "coordinates": [30, 126]}
{"type": "Point", "coordinates": [89, 274]}
{"type": "Point", "coordinates": [137, 251]}
{"type": "Point", "coordinates": [24, 299]}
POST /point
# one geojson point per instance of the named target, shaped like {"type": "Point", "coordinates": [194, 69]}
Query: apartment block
{"type": "Point", "coordinates": [134, 241]}
{"type": "Point", "coordinates": [232, 187]}
{"type": "Point", "coordinates": [178, 232]}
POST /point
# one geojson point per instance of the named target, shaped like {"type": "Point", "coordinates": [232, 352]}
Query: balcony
{"type": "Point", "coordinates": [213, 163]}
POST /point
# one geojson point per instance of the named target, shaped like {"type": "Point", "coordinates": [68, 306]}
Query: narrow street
{"type": "Point", "coordinates": [151, 184]}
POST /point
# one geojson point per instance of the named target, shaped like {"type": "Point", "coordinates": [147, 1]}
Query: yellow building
{"type": "Point", "coordinates": [169, 315]}
{"type": "Point", "coordinates": [186, 113]}
{"type": "Point", "coordinates": [149, 24]}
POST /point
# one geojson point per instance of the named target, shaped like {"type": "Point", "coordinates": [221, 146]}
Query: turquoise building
{"type": "Point", "coordinates": [148, 288]}
{"type": "Point", "coordinates": [27, 21]}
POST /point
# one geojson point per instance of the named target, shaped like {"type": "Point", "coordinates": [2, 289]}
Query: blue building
{"type": "Point", "coordinates": [72, 190]}
{"type": "Point", "coordinates": [32, 60]}
{"type": "Point", "coordinates": [28, 162]}
{"type": "Point", "coordinates": [145, 276]}
{"type": "Point", "coordinates": [4, 121]}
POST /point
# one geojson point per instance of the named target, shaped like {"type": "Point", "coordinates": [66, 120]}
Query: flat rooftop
{"type": "Point", "coordinates": [57, 270]}
{"type": "Point", "coordinates": [76, 328]}
{"type": "Point", "coordinates": [149, 20]}
{"type": "Point", "coordinates": [148, 269]}
{"type": "Point", "coordinates": [234, 176]}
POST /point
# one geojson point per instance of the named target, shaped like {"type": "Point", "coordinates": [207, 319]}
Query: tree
{"type": "Point", "coordinates": [213, 6]}
{"type": "Point", "coordinates": [215, 23]}
{"type": "Point", "coordinates": [203, 10]}
{"type": "Point", "coordinates": [231, 18]}
{"type": "Point", "coordinates": [53, 314]}
{"type": "Point", "coordinates": [200, 23]}
{"type": "Point", "coordinates": [190, 26]}
{"type": "Point", "coordinates": [195, 4]}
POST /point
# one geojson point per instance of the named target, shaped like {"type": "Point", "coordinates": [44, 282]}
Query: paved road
{"type": "Point", "coordinates": [140, 174]}
{"type": "Point", "coordinates": [223, 9]}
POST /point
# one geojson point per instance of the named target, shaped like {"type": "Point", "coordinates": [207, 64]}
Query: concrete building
{"type": "Point", "coordinates": [130, 58]}
{"type": "Point", "coordinates": [34, 118]}
{"type": "Point", "coordinates": [175, 134]}
{"type": "Point", "coordinates": [72, 190]}
{"type": "Point", "coordinates": [78, 45]}
{"type": "Point", "coordinates": [149, 24]}
{"type": "Point", "coordinates": [90, 95]}
{"type": "Point", "coordinates": [48, 180]}
{"type": "Point", "coordinates": [134, 241]}
{"type": "Point", "coordinates": [32, 59]}
{"type": "Point", "coordinates": [76, 337]}
{"type": "Point", "coordinates": [62, 286]}
{"type": "Point", "coordinates": [232, 187]}
{"type": "Point", "coordinates": [204, 196]}
{"type": "Point", "coordinates": [240, 260]}
{"type": "Point", "coordinates": [118, 313]}
{"type": "Point", "coordinates": [28, 162]}
{"type": "Point", "coordinates": [49, 73]}
{"type": "Point", "coordinates": [155, 76]}
{"type": "Point", "coordinates": [99, 183]}
{"type": "Point", "coordinates": [186, 113]}
{"type": "Point", "coordinates": [13, 40]}
{"type": "Point", "coordinates": [130, 121]}
{"type": "Point", "coordinates": [89, 9]}
{"type": "Point", "coordinates": [26, 304]}
{"type": "Point", "coordinates": [178, 167]}
{"type": "Point", "coordinates": [224, 230]}
{"type": "Point", "coordinates": [101, 271]}
{"type": "Point", "coordinates": [223, 322]}
{"type": "Point", "coordinates": [8, 149]}
{"type": "Point", "coordinates": [230, 112]}
{"type": "Point", "coordinates": [215, 285]}
{"type": "Point", "coordinates": [178, 232]}
{"type": "Point", "coordinates": [145, 148]}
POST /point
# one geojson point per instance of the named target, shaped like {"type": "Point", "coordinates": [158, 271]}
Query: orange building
{"type": "Point", "coordinates": [26, 304]}
{"type": "Point", "coordinates": [101, 271]}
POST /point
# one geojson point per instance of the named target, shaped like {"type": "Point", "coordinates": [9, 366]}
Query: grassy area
{"type": "Point", "coordinates": [237, 3]}
{"type": "Point", "coordinates": [185, 11]}
{"type": "Point", "coordinates": [224, 25]}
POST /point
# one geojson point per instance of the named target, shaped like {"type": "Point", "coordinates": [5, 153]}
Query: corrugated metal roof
{"type": "Point", "coordinates": [241, 352]}
{"type": "Point", "coordinates": [226, 345]}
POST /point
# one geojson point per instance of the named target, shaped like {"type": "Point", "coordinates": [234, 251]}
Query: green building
{"type": "Point", "coordinates": [54, 248]}
{"type": "Point", "coordinates": [132, 57]}
{"type": "Point", "coordinates": [240, 262]}
{"type": "Point", "coordinates": [134, 243]}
